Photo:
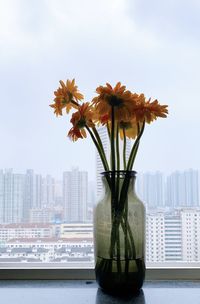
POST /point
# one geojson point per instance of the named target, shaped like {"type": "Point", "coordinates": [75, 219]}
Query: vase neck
{"type": "Point", "coordinates": [119, 182]}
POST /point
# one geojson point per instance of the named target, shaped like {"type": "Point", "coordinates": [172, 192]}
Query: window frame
{"type": "Point", "coordinates": [22, 272]}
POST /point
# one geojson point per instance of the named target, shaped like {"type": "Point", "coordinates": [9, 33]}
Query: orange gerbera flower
{"type": "Point", "coordinates": [148, 111]}
{"type": "Point", "coordinates": [67, 96]}
{"type": "Point", "coordinates": [118, 97]}
{"type": "Point", "coordinates": [80, 119]}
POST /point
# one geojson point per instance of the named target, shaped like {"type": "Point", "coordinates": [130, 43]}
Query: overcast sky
{"type": "Point", "coordinates": [150, 46]}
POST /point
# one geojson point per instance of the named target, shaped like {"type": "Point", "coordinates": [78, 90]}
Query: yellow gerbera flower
{"type": "Point", "coordinates": [128, 128]}
{"type": "Point", "coordinates": [148, 111]}
{"type": "Point", "coordinates": [118, 97]}
{"type": "Point", "coordinates": [66, 96]}
{"type": "Point", "coordinates": [80, 119]}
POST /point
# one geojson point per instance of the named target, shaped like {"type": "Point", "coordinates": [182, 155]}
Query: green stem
{"type": "Point", "coordinates": [101, 146]}
{"type": "Point", "coordinates": [125, 232]}
{"type": "Point", "coordinates": [124, 148]}
{"type": "Point", "coordinates": [108, 130]}
{"type": "Point", "coordinates": [112, 143]}
{"type": "Point", "coordinates": [124, 224]}
{"type": "Point", "coordinates": [136, 149]}
{"type": "Point", "coordinates": [116, 201]}
{"type": "Point", "coordinates": [118, 163]}
{"type": "Point", "coordinates": [126, 241]}
{"type": "Point", "coordinates": [113, 140]}
{"type": "Point", "coordinates": [133, 154]}
{"type": "Point", "coordinates": [117, 148]}
{"type": "Point", "coordinates": [118, 252]}
{"type": "Point", "coordinates": [100, 154]}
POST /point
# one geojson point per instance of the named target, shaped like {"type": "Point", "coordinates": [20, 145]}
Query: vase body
{"type": "Point", "coordinates": [119, 235]}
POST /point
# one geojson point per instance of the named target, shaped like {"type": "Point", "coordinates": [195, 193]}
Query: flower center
{"type": "Point", "coordinates": [81, 123]}
{"type": "Point", "coordinates": [115, 101]}
{"type": "Point", "coordinates": [125, 125]}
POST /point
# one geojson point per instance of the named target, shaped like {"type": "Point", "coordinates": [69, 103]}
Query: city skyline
{"type": "Point", "coordinates": [57, 227]}
{"type": "Point", "coordinates": [31, 196]}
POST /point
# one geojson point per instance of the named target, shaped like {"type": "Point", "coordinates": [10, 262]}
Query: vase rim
{"type": "Point", "coordinates": [130, 173]}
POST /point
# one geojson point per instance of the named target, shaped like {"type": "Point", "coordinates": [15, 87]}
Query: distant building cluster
{"type": "Point", "coordinates": [171, 237]}
{"type": "Point", "coordinates": [44, 220]}
{"type": "Point", "coordinates": [31, 198]}
{"type": "Point", "coordinates": [179, 189]}
{"type": "Point", "coordinates": [49, 243]}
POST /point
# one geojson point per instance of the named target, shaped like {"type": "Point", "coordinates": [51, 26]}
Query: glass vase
{"type": "Point", "coordinates": [119, 234]}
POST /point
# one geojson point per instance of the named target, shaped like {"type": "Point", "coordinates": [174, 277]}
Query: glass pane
{"type": "Point", "coordinates": [49, 185]}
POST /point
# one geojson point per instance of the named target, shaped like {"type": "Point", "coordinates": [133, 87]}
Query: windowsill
{"type": "Point", "coordinates": [80, 292]}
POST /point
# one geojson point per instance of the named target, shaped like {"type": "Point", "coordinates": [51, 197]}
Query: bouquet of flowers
{"type": "Point", "coordinates": [124, 114]}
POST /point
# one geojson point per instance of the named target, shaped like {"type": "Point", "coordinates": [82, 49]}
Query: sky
{"type": "Point", "coordinates": [150, 46]}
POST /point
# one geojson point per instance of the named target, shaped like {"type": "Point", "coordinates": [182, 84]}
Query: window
{"type": "Point", "coordinates": [47, 184]}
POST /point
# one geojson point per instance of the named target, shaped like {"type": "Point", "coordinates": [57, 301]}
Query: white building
{"type": "Point", "coordinates": [16, 231]}
{"type": "Point", "coordinates": [75, 195]}
{"type": "Point", "coordinates": [106, 144]}
{"type": "Point", "coordinates": [76, 230]}
{"type": "Point", "coordinates": [190, 219]}
{"type": "Point", "coordinates": [173, 238]}
{"type": "Point", "coordinates": [71, 251]}
{"type": "Point", "coordinates": [155, 237]}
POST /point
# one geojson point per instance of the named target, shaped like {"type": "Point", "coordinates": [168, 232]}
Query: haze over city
{"type": "Point", "coordinates": [153, 50]}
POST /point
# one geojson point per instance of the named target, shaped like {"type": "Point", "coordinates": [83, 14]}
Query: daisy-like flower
{"type": "Point", "coordinates": [81, 119]}
{"type": "Point", "coordinates": [129, 128]}
{"type": "Point", "coordinates": [148, 111]}
{"type": "Point", "coordinates": [118, 97]}
{"type": "Point", "coordinates": [66, 96]}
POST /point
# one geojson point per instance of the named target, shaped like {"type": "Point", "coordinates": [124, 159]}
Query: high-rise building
{"type": "Point", "coordinates": [48, 191]}
{"type": "Point", "coordinates": [32, 193]}
{"type": "Point", "coordinates": [1, 196]}
{"type": "Point", "coordinates": [75, 195]}
{"type": "Point", "coordinates": [58, 193]}
{"type": "Point", "coordinates": [11, 197]}
{"type": "Point", "coordinates": [155, 237]}
{"type": "Point", "coordinates": [163, 237]}
{"type": "Point", "coordinates": [150, 188]}
{"type": "Point", "coordinates": [8, 196]}
{"type": "Point", "coordinates": [17, 198]}
{"type": "Point", "coordinates": [190, 219]}
{"type": "Point", "coordinates": [182, 189]}
{"type": "Point", "coordinates": [37, 201]}
{"type": "Point", "coordinates": [106, 144]}
{"type": "Point", "coordinates": [28, 194]}
{"type": "Point", "coordinates": [173, 238]}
